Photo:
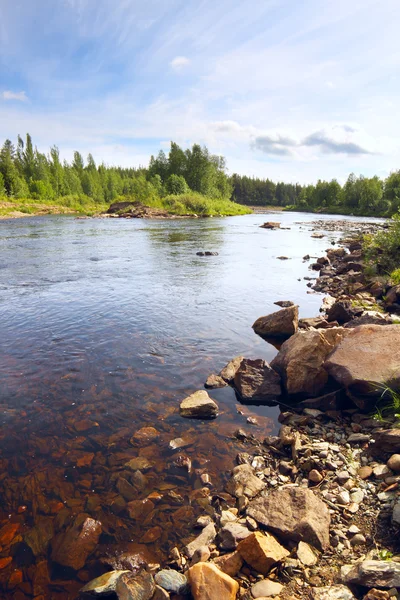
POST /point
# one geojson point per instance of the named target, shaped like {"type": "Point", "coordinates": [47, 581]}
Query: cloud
{"type": "Point", "coordinates": [19, 96]}
{"type": "Point", "coordinates": [274, 144]}
{"type": "Point", "coordinates": [331, 146]}
{"type": "Point", "coordinates": [179, 63]}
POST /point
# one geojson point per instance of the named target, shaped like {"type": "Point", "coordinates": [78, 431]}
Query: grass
{"type": "Point", "coordinates": [388, 406]}
{"type": "Point", "coordinates": [183, 204]}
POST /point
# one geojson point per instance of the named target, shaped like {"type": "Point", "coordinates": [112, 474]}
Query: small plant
{"type": "Point", "coordinates": [389, 405]}
{"type": "Point", "coordinates": [395, 276]}
{"type": "Point", "coordinates": [385, 554]}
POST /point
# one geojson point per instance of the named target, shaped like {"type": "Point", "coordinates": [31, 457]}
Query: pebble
{"type": "Point", "coordinates": [382, 471]}
{"type": "Point", "coordinates": [266, 589]}
{"type": "Point", "coordinates": [343, 497]}
{"type": "Point", "coordinates": [315, 476]}
{"type": "Point", "coordinates": [172, 581]}
{"type": "Point", "coordinates": [394, 463]}
{"type": "Point", "coordinates": [343, 476]}
{"type": "Point", "coordinates": [358, 540]}
{"type": "Point", "coordinates": [365, 472]}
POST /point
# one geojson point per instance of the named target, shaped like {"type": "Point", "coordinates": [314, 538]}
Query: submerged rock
{"type": "Point", "coordinates": [72, 548]}
{"type": "Point", "coordinates": [207, 582]}
{"type": "Point", "coordinates": [135, 587]}
{"type": "Point", "coordinates": [300, 361]}
{"type": "Point", "coordinates": [280, 324]}
{"type": "Point", "coordinates": [367, 360]}
{"type": "Point", "coordinates": [214, 382]}
{"type": "Point", "coordinates": [199, 406]}
{"type": "Point", "coordinates": [256, 381]}
{"type": "Point", "coordinates": [228, 372]}
{"type": "Point", "coordinates": [295, 514]}
{"type": "Point", "coordinates": [103, 585]}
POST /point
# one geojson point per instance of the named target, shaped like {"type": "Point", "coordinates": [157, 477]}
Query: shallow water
{"type": "Point", "coordinates": [105, 325]}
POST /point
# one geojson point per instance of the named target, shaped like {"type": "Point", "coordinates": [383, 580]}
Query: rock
{"type": "Point", "coordinates": [280, 324]}
{"type": "Point", "coordinates": [160, 594]}
{"type": "Point", "coordinates": [271, 225]}
{"type": "Point", "coordinates": [202, 554]}
{"type": "Point", "coordinates": [358, 540]}
{"type": "Point", "coordinates": [214, 382]}
{"type": "Point", "coordinates": [38, 538]}
{"type": "Point", "coordinates": [172, 581]}
{"type": "Point", "coordinates": [231, 534]}
{"type": "Point", "coordinates": [315, 476]}
{"type": "Point", "coordinates": [207, 582]}
{"type": "Point", "coordinates": [394, 463]}
{"type": "Point", "coordinates": [306, 555]}
{"type": "Point", "coordinates": [139, 463]}
{"type": "Point", "coordinates": [365, 472]}
{"type": "Point", "coordinates": [284, 303]}
{"type": "Point", "coordinates": [135, 587]}
{"type": "Point", "coordinates": [128, 491]}
{"type": "Point", "coordinates": [375, 594]}
{"type": "Point", "coordinates": [229, 563]}
{"type": "Point", "coordinates": [244, 483]}
{"type": "Point", "coordinates": [266, 589]}
{"type": "Point", "coordinates": [255, 381]}
{"type": "Point", "coordinates": [358, 438]}
{"type": "Point", "coordinates": [381, 472]}
{"type": "Point", "coordinates": [343, 498]}
{"type": "Point", "coordinates": [199, 406]}
{"type": "Point", "coordinates": [262, 551]}
{"type": "Point", "coordinates": [387, 440]}
{"type": "Point", "coordinates": [332, 592]}
{"type": "Point", "coordinates": [282, 257]}
{"type": "Point", "coordinates": [343, 311]}
{"type": "Point", "coordinates": [396, 513]}
{"type": "Point", "coordinates": [373, 573]}
{"type": "Point", "coordinates": [300, 360]}
{"type": "Point", "coordinates": [295, 514]}
{"type": "Point", "coordinates": [105, 584]}
{"type": "Point", "coordinates": [179, 443]}
{"type": "Point", "coordinates": [393, 295]}
{"type": "Point", "coordinates": [72, 548]}
{"type": "Point", "coordinates": [228, 372]}
{"type": "Point", "coordinates": [206, 537]}
{"type": "Point", "coordinates": [226, 517]}
{"type": "Point", "coordinates": [367, 359]}
{"type": "Point", "coordinates": [369, 318]}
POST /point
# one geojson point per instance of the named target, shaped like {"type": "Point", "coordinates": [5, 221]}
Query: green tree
{"type": "Point", "coordinates": [176, 184]}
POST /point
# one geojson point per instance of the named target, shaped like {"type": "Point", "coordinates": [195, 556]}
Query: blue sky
{"type": "Point", "coordinates": [292, 90]}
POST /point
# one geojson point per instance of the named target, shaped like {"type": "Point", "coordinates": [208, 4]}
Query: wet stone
{"type": "Point", "coordinates": [72, 548]}
{"type": "Point", "coordinates": [139, 463]}
{"type": "Point", "coordinates": [105, 584]}
{"type": "Point", "coordinates": [198, 406]}
{"type": "Point", "coordinates": [135, 587]}
{"type": "Point", "coordinates": [172, 581]}
{"type": "Point", "coordinates": [215, 382]}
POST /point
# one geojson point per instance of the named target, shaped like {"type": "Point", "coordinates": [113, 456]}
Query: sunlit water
{"type": "Point", "coordinates": [115, 321]}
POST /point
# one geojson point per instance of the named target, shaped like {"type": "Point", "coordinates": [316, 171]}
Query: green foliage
{"type": "Point", "coordinates": [2, 187]}
{"type": "Point", "coordinates": [384, 554]}
{"type": "Point", "coordinates": [388, 404]}
{"type": "Point", "coordinates": [382, 250]}
{"type": "Point", "coordinates": [395, 277]}
{"type": "Point", "coordinates": [176, 184]}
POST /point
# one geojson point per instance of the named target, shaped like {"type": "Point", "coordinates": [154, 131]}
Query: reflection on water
{"type": "Point", "coordinates": [104, 326]}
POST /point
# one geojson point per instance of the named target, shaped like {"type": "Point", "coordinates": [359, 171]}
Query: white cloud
{"type": "Point", "coordinates": [19, 96]}
{"type": "Point", "coordinates": [179, 63]}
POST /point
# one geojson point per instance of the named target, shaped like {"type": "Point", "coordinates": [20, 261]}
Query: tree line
{"type": "Point", "coordinates": [27, 173]}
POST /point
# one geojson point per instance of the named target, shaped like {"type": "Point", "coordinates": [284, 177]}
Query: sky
{"type": "Point", "coordinates": [292, 90]}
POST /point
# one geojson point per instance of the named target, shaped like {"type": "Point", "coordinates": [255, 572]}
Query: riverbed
{"type": "Point", "coordinates": [105, 325]}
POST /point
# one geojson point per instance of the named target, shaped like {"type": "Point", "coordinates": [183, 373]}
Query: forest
{"type": "Point", "coordinates": [183, 181]}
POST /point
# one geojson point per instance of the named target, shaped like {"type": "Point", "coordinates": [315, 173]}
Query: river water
{"type": "Point", "coordinates": [105, 325]}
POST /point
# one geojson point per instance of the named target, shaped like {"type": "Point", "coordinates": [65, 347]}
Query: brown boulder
{"type": "Point", "coordinates": [387, 440]}
{"type": "Point", "coordinates": [295, 514]}
{"type": "Point", "coordinates": [280, 324]}
{"type": "Point", "coordinates": [271, 225]}
{"type": "Point", "coordinates": [198, 405]}
{"type": "Point", "coordinates": [300, 361]}
{"type": "Point", "coordinates": [261, 551]}
{"type": "Point", "coordinates": [207, 582]}
{"type": "Point", "coordinates": [256, 381]}
{"type": "Point", "coordinates": [72, 548]}
{"type": "Point", "coordinates": [367, 360]}
{"type": "Point", "coordinates": [343, 312]}
{"type": "Point", "coordinates": [228, 372]}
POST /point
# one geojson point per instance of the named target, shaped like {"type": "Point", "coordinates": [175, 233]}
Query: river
{"type": "Point", "coordinates": [105, 325]}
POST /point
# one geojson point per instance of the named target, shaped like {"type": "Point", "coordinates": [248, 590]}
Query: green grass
{"type": "Point", "coordinates": [388, 406]}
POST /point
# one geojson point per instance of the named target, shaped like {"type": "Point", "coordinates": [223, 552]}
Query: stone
{"type": "Point", "coordinates": [280, 324]}
{"type": "Point", "coordinates": [387, 440]}
{"type": "Point", "coordinates": [198, 406]}
{"type": "Point", "coordinates": [255, 381]}
{"type": "Point", "coordinates": [131, 586]}
{"type": "Point", "coordinates": [139, 509]}
{"type": "Point", "coordinates": [72, 547]}
{"type": "Point", "coordinates": [229, 563]}
{"type": "Point", "coordinates": [262, 551]}
{"type": "Point", "coordinates": [228, 372]}
{"type": "Point", "coordinates": [358, 438]}
{"type": "Point", "coordinates": [373, 573]}
{"type": "Point", "coordinates": [343, 311]}
{"type": "Point", "coordinates": [105, 584]}
{"type": "Point", "coordinates": [358, 540]}
{"type": "Point", "coordinates": [231, 535]}
{"type": "Point", "coordinates": [284, 303]}
{"type": "Point", "coordinates": [365, 472]}
{"type": "Point", "coordinates": [396, 514]}
{"type": "Point", "coordinates": [206, 537]}
{"type": "Point", "coordinates": [271, 225]}
{"type": "Point", "coordinates": [160, 594]}
{"type": "Point", "coordinates": [126, 489]}
{"type": "Point", "coordinates": [266, 589]}
{"type": "Point", "coordinates": [295, 514]}
{"type": "Point", "coordinates": [367, 359]}
{"type": "Point", "coordinates": [38, 538]}
{"type": "Point", "coordinates": [375, 594]}
{"type": "Point", "coordinates": [172, 581]}
{"type": "Point", "coordinates": [226, 517]}
{"type": "Point", "coordinates": [332, 592]}
{"type": "Point", "coordinates": [315, 476]}
{"type": "Point", "coordinates": [139, 463]}
{"type": "Point", "coordinates": [300, 360]}
{"type": "Point", "coordinates": [394, 463]}
{"type": "Point", "coordinates": [207, 582]}
{"type": "Point", "coordinates": [243, 482]}
{"type": "Point", "coordinates": [202, 554]}
{"type": "Point", "coordinates": [306, 554]}
{"type": "Point", "coordinates": [343, 498]}
{"type": "Point", "coordinates": [214, 382]}
{"type": "Point", "coordinates": [381, 472]}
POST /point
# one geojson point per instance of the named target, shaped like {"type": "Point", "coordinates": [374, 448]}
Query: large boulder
{"type": "Point", "coordinates": [367, 360]}
{"type": "Point", "coordinates": [280, 324]}
{"type": "Point", "coordinates": [373, 573]}
{"type": "Point", "coordinates": [72, 548]}
{"type": "Point", "coordinates": [300, 361]}
{"type": "Point", "coordinates": [198, 406]}
{"type": "Point", "coordinates": [255, 381]}
{"type": "Point", "coordinates": [295, 514]}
